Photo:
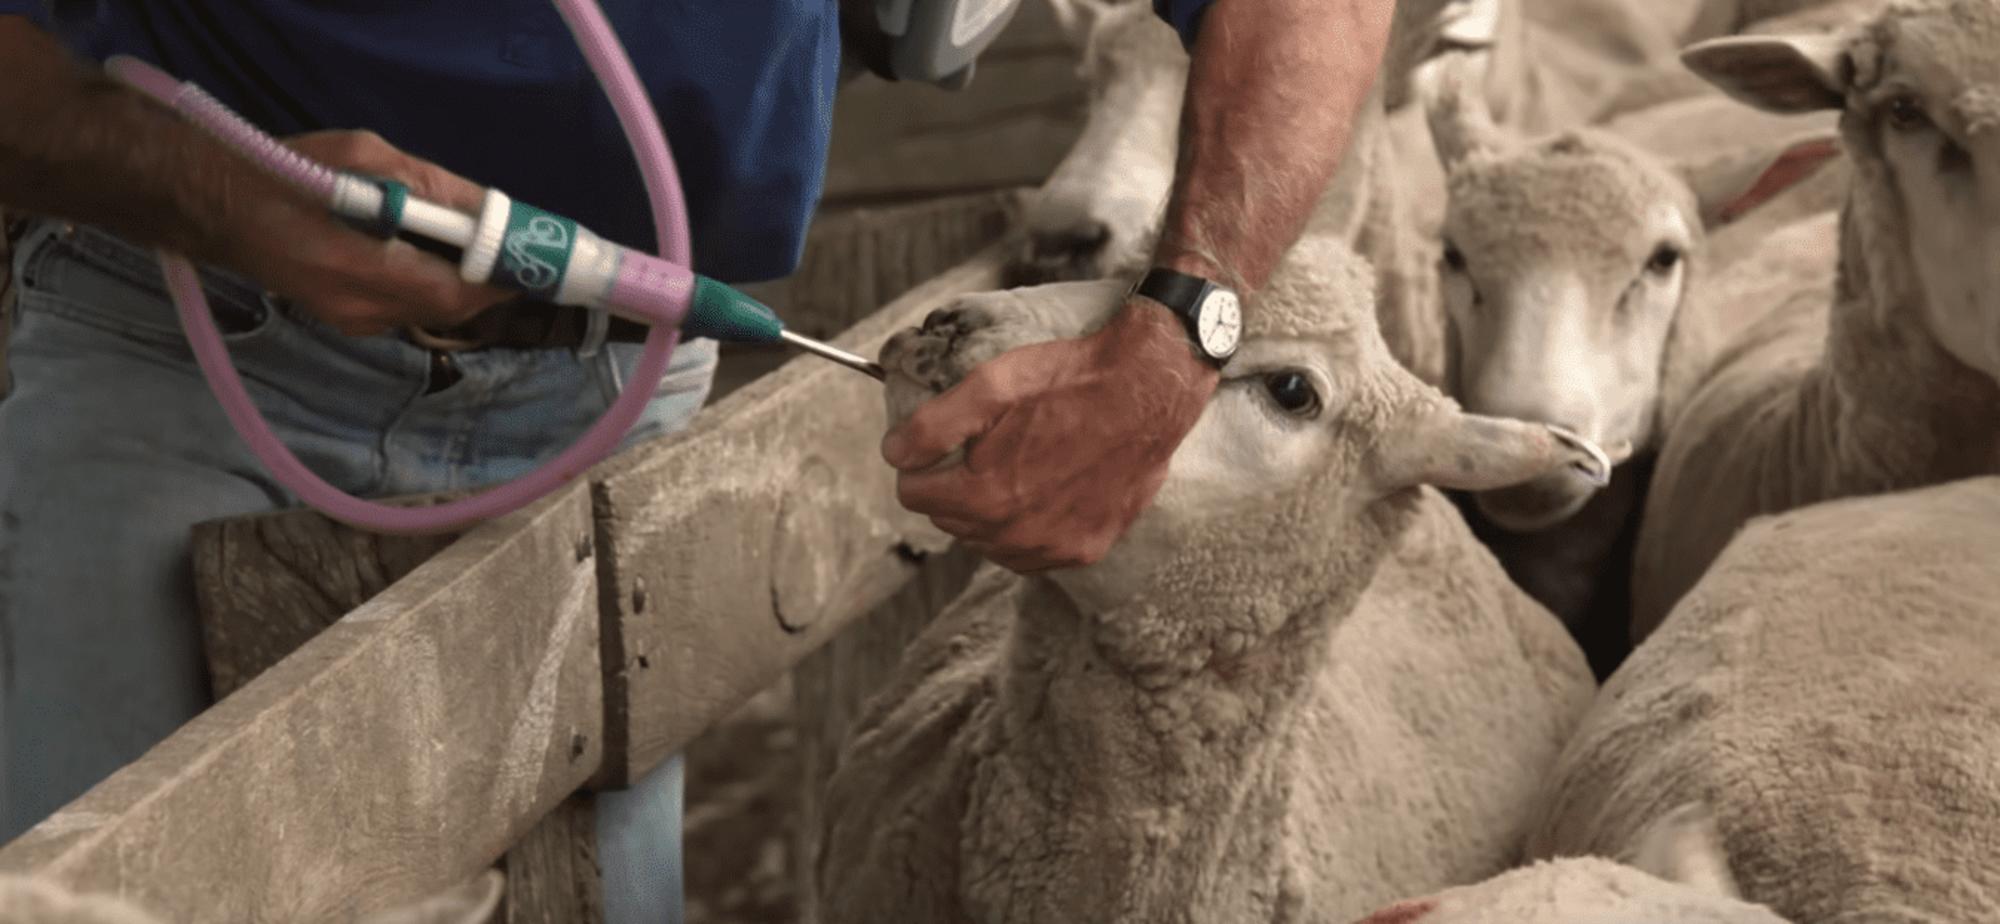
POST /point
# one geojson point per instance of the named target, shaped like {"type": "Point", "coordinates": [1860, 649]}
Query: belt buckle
{"type": "Point", "coordinates": [429, 340]}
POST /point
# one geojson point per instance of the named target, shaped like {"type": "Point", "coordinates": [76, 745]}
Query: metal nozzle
{"type": "Point", "coordinates": [836, 354]}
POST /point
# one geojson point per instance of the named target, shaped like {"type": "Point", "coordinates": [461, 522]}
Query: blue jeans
{"type": "Point", "coordinates": [111, 447]}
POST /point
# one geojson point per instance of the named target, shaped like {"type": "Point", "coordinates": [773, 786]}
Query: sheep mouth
{"type": "Point", "coordinates": [928, 353]}
{"type": "Point", "coordinates": [1539, 504]}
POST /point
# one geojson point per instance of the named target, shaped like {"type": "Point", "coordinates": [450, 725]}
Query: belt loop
{"type": "Point", "coordinates": [596, 329]}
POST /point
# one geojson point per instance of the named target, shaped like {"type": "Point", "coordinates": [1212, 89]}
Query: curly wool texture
{"type": "Point", "coordinates": [1828, 688]}
{"type": "Point", "coordinates": [1578, 890]}
{"type": "Point", "coordinates": [34, 900]}
{"type": "Point", "coordinates": [1314, 704]}
{"type": "Point", "coordinates": [1798, 409]}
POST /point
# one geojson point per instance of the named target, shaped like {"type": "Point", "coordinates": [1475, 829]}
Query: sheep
{"type": "Point", "coordinates": [27, 899]}
{"type": "Point", "coordinates": [1098, 214]}
{"type": "Point", "coordinates": [1884, 379]}
{"type": "Point", "coordinates": [1295, 689]}
{"type": "Point", "coordinates": [1566, 262]}
{"type": "Point", "coordinates": [1828, 687]}
{"type": "Point", "coordinates": [1676, 873]}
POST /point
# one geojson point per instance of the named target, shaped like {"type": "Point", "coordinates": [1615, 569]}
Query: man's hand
{"type": "Point", "coordinates": [355, 283]}
{"type": "Point", "coordinates": [1068, 441]}
{"type": "Point", "coordinates": [67, 151]}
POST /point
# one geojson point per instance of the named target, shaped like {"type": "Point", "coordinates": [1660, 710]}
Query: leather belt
{"type": "Point", "coordinates": [524, 324]}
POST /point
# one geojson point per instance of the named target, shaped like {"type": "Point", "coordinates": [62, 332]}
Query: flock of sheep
{"type": "Point", "coordinates": [1398, 642]}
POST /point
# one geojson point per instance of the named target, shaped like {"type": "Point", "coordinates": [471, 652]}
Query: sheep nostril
{"type": "Point", "coordinates": [1077, 242]}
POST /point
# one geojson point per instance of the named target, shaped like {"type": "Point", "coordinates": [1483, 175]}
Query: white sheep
{"type": "Point", "coordinates": [1296, 689]}
{"type": "Point", "coordinates": [1829, 689]}
{"type": "Point", "coordinates": [1567, 261]}
{"type": "Point", "coordinates": [1886, 378]}
{"type": "Point", "coordinates": [36, 900]}
{"type": "Point", "coordinates": [1676, 873]}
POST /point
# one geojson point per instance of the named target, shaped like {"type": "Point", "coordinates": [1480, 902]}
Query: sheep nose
{"type": "Point", "coordinates": [1061, 254]}
{"type": "Point", "coordinates": [1077, 242]}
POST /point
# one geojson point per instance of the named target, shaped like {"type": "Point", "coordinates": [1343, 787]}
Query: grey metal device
{"type": "Point", "coordinates": [938, 40]}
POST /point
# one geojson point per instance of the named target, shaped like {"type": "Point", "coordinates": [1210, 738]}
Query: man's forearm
{"type": "Point", "coordinates": [1273, 91]}
{"type": "Point", "coordinates": [76, 145]}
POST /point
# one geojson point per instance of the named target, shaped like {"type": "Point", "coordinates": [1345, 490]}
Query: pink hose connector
{"type": "Point", "coordinates": [614, 70]}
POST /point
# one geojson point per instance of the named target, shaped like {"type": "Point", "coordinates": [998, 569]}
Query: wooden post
{"type": "Point", "coordinates": [736, 547]}
{"type": "Point", "coordinates": [392, 756]}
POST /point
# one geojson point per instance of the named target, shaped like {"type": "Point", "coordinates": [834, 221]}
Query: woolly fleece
{"type": "Point", "coordinates": [1828, 688]}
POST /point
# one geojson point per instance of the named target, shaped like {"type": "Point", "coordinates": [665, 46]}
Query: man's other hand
{"type": "Point", "coordinates": [357, 284]}
{"type": "Point", "coordinates": [1066, 442]}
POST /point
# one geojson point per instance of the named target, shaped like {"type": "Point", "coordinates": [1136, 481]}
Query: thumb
{"type": "Point", "coordinates": [943, 423]}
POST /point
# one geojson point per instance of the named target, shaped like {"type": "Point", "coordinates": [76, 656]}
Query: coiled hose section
{"type": "Point", "coordinates": [608, 61]}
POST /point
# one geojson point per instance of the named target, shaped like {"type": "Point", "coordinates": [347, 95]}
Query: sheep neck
{"type": "Point", "coordinates": [1144, 758]}
{"type": "Point", "coordinates": [1887, 408]}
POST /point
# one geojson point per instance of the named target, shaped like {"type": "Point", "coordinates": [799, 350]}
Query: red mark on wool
{"type": "Point", "coordinates": [1402, 912]}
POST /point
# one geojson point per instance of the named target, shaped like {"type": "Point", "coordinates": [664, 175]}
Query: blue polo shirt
{"type": "Point", "coordinates": [496, 91]}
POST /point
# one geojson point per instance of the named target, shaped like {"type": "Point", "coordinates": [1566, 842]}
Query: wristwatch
{"type": "Point", "coordinates": [1211, 311]}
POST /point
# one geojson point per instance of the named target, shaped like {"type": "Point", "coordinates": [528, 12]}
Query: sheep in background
{"type": "Point", "coordinates": [1677, 874]}
{"type": "Point", "coordinates": [1888, 381]}
{"type": "Point", "coordinates": [1568, 260]}
{"type": "Point", "coordinates": [1295, 690]}
{"type": "Point", "coordinates": [33, 900]}
{"type": "Point", "coordinates": [1829, 689]}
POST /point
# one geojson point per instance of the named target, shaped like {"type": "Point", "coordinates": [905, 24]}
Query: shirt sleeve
{"type": "Point", "coordinates": [37, 11]}
{"type": "Point", "coordinates": [1183, 15]}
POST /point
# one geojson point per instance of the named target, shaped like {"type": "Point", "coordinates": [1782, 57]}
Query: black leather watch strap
{"type": "Point", "coordinates": [1176, 290]}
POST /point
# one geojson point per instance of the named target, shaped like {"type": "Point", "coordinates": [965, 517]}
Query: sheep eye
{"type": "Point", "coordinates": [1664, 259]}
{"type": "Point", "coordinates": [1906, 114]}
{"type": "Point", "coordinates": [1293, 392]}
{"type": "Point", "coordinates": [1453, 257]}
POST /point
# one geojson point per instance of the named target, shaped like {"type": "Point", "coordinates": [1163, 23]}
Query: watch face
{"type": "Point", "coordinates": [1221, 322]}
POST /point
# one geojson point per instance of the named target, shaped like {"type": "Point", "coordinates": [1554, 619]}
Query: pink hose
{"type": "Point", "coordinates": [613, 68]}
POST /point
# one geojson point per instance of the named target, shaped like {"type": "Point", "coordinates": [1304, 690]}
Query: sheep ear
{"type": "Point", "coordinates": [1684, 846]}
{"type": "Point", "coordinates": [1735, 183]}
{"type": "Point", "coordinates": [474, 902]}
{"type": "Point", "coordinates": [1784, 74]}
{"type": "Point", "coordinates": [1456, 109]}
{"type": "Point", "coordinates": [1448, 448]}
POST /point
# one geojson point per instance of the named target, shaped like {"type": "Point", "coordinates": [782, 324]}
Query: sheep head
{"type": "Point", "coordinates": [1678, 874]}
{"type": "Point", "coordinates": [1099, 212]}
{"type": "Point", "coordinates": [1313, 425]}
{"type": "Point", "coordinates": [1566, 260]}
{"type": "Point", "coordinates": [1918, 89]}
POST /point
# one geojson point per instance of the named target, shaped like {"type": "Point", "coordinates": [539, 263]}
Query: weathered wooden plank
{"type": "Point", "coordinates": [552, 874]}
{"type": "Point", "coordinates": [269, 584]}
{"type": "Point", "coordinates": [1010, 127]}
{"type": "Point", "coordinates": [394, 755]}
{"type": "Point", "coordinates": [734, 548]}
{"type": "Point", "coordinates": [833, 684]}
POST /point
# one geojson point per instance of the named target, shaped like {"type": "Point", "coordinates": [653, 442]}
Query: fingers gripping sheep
{"type": "Point", "coordinates": [1828, 687]}
{"type": "Point", "coordinates": [1676, 873]}
{"type": "Point", "coordinates": [1891, 380]}
{"type": "Point", "coordinates": [1295, 690]}
{"type": "Point", "coordinates": [1566, 262]}
{"type": "Point", "coordinates": [31, 900]}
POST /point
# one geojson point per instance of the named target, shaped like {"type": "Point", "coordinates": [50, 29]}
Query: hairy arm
{"type": "Point", "coordinates": [77, 145]}
{"type": "Point", "coordinates": [1273, 90]}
